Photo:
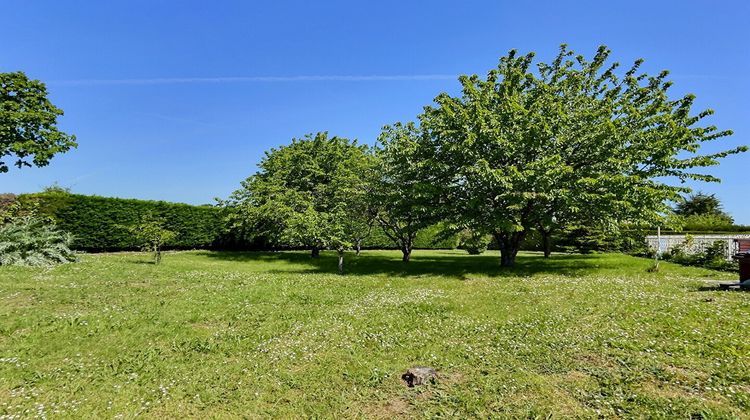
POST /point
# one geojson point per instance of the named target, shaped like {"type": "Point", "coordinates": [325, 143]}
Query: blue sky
{"type": "Point", "coordinates": [179, 100]}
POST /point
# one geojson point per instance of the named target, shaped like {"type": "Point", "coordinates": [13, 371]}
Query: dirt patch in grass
{"type": "Point", "coordinates": [396, 406]}
{"type": "Point", "coordinates": [684, 375]}
{"type": "Point", "coordinates": [666, 390]}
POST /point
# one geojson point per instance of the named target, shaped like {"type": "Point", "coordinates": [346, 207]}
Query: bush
{"type": "Point", "coordinates": [473, 242]}
{"type": "Point", "coordinates": [586, 240]}
{"type": "Point", "coordinates": [713, 256]}
{"type": "Point", "coordinates": [704, 222]}
{"type": "Point", "coordinates": [100, 223]}
{"type": "Point", "coordinates": [34, 241]}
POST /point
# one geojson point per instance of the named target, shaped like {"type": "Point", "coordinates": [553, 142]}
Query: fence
{"type": "Point", "coordinates": [698, 243]}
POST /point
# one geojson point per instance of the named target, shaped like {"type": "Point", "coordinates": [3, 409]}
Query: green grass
{"type": "Point", "coordinates": [279, 335]}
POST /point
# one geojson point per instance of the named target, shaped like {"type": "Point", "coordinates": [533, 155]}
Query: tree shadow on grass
{"type": "Point", "coordinates": [142, 262]}
{"type": "Point", "coordinates": [436, 263]}
{"type": "Point", "coordinates": [716, 288]}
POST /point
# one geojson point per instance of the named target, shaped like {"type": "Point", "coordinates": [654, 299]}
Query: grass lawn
{"type": "Point", "coordinates": [279, 335]}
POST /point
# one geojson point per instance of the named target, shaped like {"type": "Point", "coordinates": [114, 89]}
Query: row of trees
{"type": "Point", "coordinates": [572, 143]}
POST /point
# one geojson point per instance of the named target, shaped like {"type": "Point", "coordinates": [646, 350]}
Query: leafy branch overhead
{"type": "Point", "coordinates": [28, 123]}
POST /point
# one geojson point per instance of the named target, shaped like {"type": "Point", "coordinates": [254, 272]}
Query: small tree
{"type": "Point", "coordinates": [28, 123]}
{"type": "Point", "coordinates": [152, 235]}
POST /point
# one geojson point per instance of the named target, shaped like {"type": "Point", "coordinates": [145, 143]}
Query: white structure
{"type": "Point", "coordinates": [699, 242]}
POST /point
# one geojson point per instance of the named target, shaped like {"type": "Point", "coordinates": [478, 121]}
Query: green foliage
{"type": "Point", "coordinates": [311, 193]}
{"type": "Point", "coordinates": [403, 193]}
{"type": "Point", "coordinates": [431, 237]}
{"type": "Point", "coordinates": [475, 243]}
{"type": "Point", "coordinates": [28, 123]}
{"type": "Point", "coordinates": [56, 188]}
{"type": "Point", "coordinates": [570, 144]}
{"type": "Point", "coordinates": [152, 235]}
{"type": "Point", "coordinates": [702, 212]}
{"type": "Point", "coordinates": [6, 199]}
{"type": "Point", "coordinates": [585, 240]}
{"type": "Point", "coordinates": [33, 241]}
{"type": "Point", "coordinates": [713, 256]}
{"type": "Point", "coordinates": [706, 222]}
{"type": "Point", "coordinates": [8, 208]}
{"type": "Point", "coordinates": [701, 204]}
{"type": "Point", "coordinates": [100, 223]}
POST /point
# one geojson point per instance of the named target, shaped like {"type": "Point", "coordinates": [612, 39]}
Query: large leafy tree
{"type": "Point", "coordinates": [311, 193]}
{"type": "Point", "coordinates": [571, 142]}
{"type": "Point", "coordinates": [404, 196]}
{"type": "Point", "coordinates": [28, 123]}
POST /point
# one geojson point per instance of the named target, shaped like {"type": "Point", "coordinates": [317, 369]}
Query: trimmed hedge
{"type": "Point", "coordinates": [98, 223]}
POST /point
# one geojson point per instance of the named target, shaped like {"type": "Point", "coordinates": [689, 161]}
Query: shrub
{"type": "Point", "coordinates": [713, 256]}
{"type": "Point", "coordinates": [705, 222]}
{"type": "Point", "coordinates": [34, 241]}
{"type": "Point", "coordinates": [475, 243]}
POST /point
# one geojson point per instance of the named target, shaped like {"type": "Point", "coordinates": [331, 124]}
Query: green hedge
{"type": "Point", "coordinates": [97, 223]}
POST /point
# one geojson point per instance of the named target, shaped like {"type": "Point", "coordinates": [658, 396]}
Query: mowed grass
{"type": "Point", "coordinates": [279, 335]}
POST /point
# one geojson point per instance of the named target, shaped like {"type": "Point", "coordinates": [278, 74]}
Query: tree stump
{"type": "Point", "coordinates": [419, 375]}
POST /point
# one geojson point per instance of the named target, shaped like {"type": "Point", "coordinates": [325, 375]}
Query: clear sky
{"type": "Point", "coordinates": [178, 100]}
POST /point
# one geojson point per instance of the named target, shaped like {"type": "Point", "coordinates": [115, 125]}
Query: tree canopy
{"type": "Point", "coordinates": [573, 144]}
{"type": "Point", "coordinates": [702, 211]}
{"type": "Point", "coordinates": [569, 142]}
{"type": "Point", "coordinates": [311, 193]}
{"type": "Point", "coordinates": [28, 123]}
{"type": "Point", "coordinates": [404, 196]}
{"type": "Point", "coordinates": [700, 204]}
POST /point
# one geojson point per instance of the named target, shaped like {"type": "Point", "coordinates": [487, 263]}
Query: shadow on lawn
{"type": "Point", "coordinates": [445, 263]}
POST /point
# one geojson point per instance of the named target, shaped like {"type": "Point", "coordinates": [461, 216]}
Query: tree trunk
{"type": "Point", "coordinates": [509, 244]}
{"type": "Point", "coordinates": [406, 247]}
{"type": "Point", "coordinates": [315, 252]}
{"type": "Point", "coordinates": [546, 242]}
{"type": "Point", "coordinates": [407, 254]}
{"type": "Point", "coordinates": [358, 247]}
{"type": "Point", "coordinates": [341, 262]}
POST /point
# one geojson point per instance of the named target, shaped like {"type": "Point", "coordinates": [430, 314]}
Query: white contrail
{"type": "Point", "coordinates": [256, 79]}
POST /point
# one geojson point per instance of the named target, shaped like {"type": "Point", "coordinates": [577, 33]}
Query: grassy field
{"type": "Point", "coordinates": [279, 335]}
